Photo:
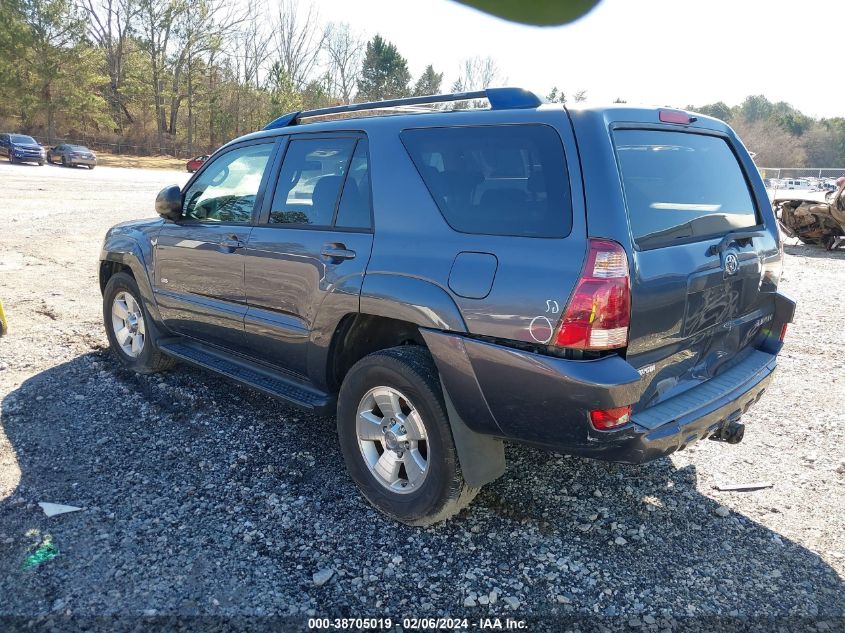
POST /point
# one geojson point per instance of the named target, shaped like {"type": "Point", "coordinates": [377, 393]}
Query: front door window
{"type": "Point", "coordinates": [225, 192]}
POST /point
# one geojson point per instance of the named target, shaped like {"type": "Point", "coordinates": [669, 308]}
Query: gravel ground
{"type": "Point", "coordinates": [202, 498]}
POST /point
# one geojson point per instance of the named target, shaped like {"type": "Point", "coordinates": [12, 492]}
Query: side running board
{"type": "Point", "coordinates": [273, 383]}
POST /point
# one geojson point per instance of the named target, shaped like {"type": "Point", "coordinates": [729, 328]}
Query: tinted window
{"type": "Point", "coordinates": [495, 180]}
{"type": "Point", "coordinates": [25, 140]}
{"type": "Point", "coordinates": [310, 180]}
{"type": "Point", "coordinates": [227, 188]}
{"type": "Point", "coordinates": [681, 186]}
{"type": "Point", "coordinates": [354, 209]}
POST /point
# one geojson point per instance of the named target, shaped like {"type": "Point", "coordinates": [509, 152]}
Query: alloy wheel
{"type": "Point", "coordinates": [392, 439]}
{"type": "Point", "coordinates": [127, 319]}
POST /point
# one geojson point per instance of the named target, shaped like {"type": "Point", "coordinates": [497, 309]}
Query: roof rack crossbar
{"type": "Point", "coordinates": [499, 98]}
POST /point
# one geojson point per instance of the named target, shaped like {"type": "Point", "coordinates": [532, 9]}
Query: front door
{"type": "Point", "coordinates": [307, 256]}
{"type": "Point", "coordinates": [199, 260]}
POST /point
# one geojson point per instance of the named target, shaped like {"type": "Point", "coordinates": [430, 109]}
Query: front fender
{"type": "Point", "coordinates": [411, 299]}
{"type": "Point", "coordinates": [137, 256]}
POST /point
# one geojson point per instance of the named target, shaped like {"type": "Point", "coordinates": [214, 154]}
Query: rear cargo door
{"type": "Point", "coordinates": [697, 297]}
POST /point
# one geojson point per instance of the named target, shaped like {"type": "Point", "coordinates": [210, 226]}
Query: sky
{"type": "Point", "coordinates": [652, 52]}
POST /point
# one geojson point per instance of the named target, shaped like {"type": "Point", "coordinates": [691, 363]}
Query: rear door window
{"type": "Point", "coordinates": [310, 181]}
{"type": "Point", "coordinates": [495, 180]}
{"type": "Point", "coordinates": [354, 210]}
{"type": "Point", "coordinates": [681, 186]}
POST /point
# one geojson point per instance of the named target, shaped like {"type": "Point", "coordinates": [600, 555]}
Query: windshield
{"type": "Point", "coordinates": [681, 186]}
{"type": "Point", "coordinates": [24, 140]}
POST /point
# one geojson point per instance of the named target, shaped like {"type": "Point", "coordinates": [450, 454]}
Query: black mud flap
{"type": "Point", "coordinates": [482, 457]}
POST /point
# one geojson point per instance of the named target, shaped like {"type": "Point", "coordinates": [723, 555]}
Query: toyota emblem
{"type": "Point", "coordinates": [731, 264]}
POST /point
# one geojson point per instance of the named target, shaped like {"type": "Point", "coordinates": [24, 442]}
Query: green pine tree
{"type": "Point", "coordinates": [384, 74]}
{"type": "Point", "coordinates": [429, 82]}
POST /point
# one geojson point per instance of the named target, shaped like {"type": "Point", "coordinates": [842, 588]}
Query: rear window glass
{"type": "Point", "coordinates": [681, 186]}
{"type": "Point", "coordinates": [495, 180]}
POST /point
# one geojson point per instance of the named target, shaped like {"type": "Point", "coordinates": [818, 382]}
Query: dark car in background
{"type": "Point", "coordinates": [602, 282]}
{"type": "Point", "coordinates": [196, 162]}
{"type": "Point", "coordinates": [20, 148]}
{"type": "Point", "coordinates": [72, 156]}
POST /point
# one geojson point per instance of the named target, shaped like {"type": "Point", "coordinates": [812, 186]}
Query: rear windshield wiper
{"type": "Point", "coordinates": [741, 234]}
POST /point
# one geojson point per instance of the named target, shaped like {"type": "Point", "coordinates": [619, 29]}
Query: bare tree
{"type": "Point", "coordinates": [345, 52]}
{"type": "Point", "coordinates": [252, 43]}
{"type": "Point", "coordinates": [109, 27]}
{"type": "Point", "coordinates": [298, 40]}
{"type": "Point", "coordinates": [157, 20]}
{"type": "Point", "coordinates": [771, 143]}
{"type": "Point", "coordinates": [477, 73]}
{"type": "Point", "coordinates": [203, 26]}
{"type": "Point", "coordinates": [249, 54]}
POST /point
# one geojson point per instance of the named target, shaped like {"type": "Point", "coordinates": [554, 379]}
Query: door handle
{"type": "Point", "coordinates": [232, 242]}
{"type": "Point", "coordinates": [337, 252]}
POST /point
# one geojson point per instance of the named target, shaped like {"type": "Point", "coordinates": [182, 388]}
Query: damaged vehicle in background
{"type": "Point", "coordinates": [814, 220]}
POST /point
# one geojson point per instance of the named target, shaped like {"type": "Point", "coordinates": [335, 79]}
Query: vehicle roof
{"type": "Point", "coordinates": [395, 122]}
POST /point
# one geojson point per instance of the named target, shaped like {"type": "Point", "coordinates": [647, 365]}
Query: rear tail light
{"type": "Point", "coordinates": [604, 419]}
{"type": "Point", "coordinates": [599, 312]}
{"type": "Point", "coordinates": [783, 332]}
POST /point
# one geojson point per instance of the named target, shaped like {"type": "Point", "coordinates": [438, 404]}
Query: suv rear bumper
{"type": "Point", "coordinates": [695, 414]}
{"type": "Point", "coordinates": [88, 162]}
{"type": "Point", "coordinates": [545, 401]}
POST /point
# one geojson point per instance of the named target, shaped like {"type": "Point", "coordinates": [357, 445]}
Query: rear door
{"type": "Point", "coordinates": [698, 293]}
{"type": "Point", "coordinates": [306, 258]}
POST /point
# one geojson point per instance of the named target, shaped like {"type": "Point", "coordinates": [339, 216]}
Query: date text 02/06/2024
{"type": "Point", "coordinates": [453, 624]}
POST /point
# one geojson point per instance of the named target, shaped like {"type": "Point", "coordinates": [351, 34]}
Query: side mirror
{"type": "Point", "coordinates": [169, 202]}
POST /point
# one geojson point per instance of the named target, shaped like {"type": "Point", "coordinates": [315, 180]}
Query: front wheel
{"type": "Point", "coordinates": [396, 439]}
{"type": "Point", "coordinates": [131, 332]}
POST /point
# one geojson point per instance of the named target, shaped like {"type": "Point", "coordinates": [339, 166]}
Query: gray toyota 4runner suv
{"type": "Point", "coordinates": [596, 281]}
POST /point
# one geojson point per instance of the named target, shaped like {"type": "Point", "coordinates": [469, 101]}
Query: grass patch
{"type": "Point", "coordinates": [143, 162]}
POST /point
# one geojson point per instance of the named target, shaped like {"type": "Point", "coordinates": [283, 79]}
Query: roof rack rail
{"type": "Point", "coordinates": [499, 98]}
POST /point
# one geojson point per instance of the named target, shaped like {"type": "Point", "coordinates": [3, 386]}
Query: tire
{"type": "Point", "coordinates": [64, 161]}
{"type": "Point", "coordinates": [91, 166]}
{"type": "Point", "coordinates": [141, 355]}
{"type": "Point", "coordinates": [410, 373]}
{"type": "Point", "coordinates": [41, 163]}
{"type": "Point", "coordinates": [11, 158]}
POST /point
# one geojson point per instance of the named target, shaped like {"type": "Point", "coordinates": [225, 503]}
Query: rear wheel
{"type": "Point", "coordinates": [131, 333]}
{"type": "Point", "coordinates": [396, 439]}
